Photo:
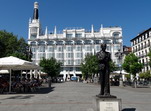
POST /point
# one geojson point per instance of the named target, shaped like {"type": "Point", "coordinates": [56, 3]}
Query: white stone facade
{"type": "Point", "coordinates": [141, 46]}
{"type": "Point", "coordinates": [72, 45]}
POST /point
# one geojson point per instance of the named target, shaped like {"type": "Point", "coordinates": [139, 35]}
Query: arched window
{"type": "Point", "coordinates": [59, 42]}
{"type": "Point", "coordinates": [69, 42]}
{"type": "Point", "coordinates": [33, 43]}
{"type": "Point", "coordinates": [87, 42]}
{"type": "Point", "coordinates": [50, 42]}
{"type": "Point", "coordinates": [41, 43]}
{"type": "Point", "coordinates": [78, 42]}
{"type": "Point", "coordinates": [116, 34]}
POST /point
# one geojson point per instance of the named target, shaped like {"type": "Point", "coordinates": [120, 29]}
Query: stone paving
{"type": "Point", "coordinates": [74, 96]}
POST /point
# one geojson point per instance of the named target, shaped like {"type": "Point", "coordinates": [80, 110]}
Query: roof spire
{"type": "Point", "coordinates": [55, 31]}
{"type": "Point", "coordinates": [35, 15]}
{"type": "Point", "coordinates": [92, 30]}
{"type": "Point", "coordinates": [46, 32]}
{"type": "Point", "coordinates": [101, 30]}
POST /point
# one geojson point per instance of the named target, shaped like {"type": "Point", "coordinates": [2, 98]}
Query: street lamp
{"type": "Point", "coordinates": [119, 56]}
{"type": "Point", "coordinates": [29, 53]}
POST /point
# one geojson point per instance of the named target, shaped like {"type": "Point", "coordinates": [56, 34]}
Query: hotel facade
{"type": "Point", "coordinates": [72, 45]}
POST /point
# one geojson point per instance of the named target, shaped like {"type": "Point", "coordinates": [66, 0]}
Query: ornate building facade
{"type": "Point", "coordinates": [72, 45]}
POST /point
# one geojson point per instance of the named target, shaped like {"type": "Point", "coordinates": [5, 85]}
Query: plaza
{"type": "Point", "coordinates": [74, 96]}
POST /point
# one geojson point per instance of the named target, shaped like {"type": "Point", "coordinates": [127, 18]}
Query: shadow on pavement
{"type": "Point", "coordinates": [42, 90]}
{"type": "Point", "coordinates": [45, 90]}
{"type": "Point", "coordinates": [129, 109]}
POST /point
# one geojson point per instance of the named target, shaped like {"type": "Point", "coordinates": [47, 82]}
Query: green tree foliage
{"type": "Point", "coordinates": [145, 75]}
{"type": "Point", "coordinates": [89, 66]}
{"type": "Point", "coordinates": [112, 66]}
{"type": "Point", "coordinates": [11, 46]}
{"type": "Point", "coordinates": [131, 64]}
{"type": "Point", "coordinates": [149, 54]}
{"type": "Point", "coordinates": [51, 66]}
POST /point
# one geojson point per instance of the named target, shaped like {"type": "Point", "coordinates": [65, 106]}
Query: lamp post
{"type": "Point", "coordinates": [119, 56]}
{"type": "Point", "coordinates": [29, 53]}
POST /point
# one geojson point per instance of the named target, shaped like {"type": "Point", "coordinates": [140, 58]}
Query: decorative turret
{"type": "Point", "coordinates": [34, 24]}
{"type": "Point", "coordinates": [36, 14]}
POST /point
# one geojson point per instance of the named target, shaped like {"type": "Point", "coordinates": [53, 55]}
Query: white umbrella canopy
{"type": "Point", "coordinates": [118, 72]}
{"type": "Point", "coordinates": [14, 63]}
{"type": "Point", "coordinates": [4, 72]}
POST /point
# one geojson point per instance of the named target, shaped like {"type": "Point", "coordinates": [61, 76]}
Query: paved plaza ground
{"type": "Point", "coordinates": [74, 96]}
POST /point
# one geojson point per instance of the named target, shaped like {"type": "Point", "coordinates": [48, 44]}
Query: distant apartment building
{"type": "Point", "coordinates": [72, 45]}
{"type": "Point", "coordinates": [126, 50]}
{"type": "Point", "coordinates": [141, 46]}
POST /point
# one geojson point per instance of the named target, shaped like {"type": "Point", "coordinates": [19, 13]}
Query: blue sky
{"type": "Point", "coordinates": [133, 16]}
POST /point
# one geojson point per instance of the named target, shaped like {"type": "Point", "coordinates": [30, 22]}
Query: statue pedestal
{"type": "Point", "coordinates": [108, 104]}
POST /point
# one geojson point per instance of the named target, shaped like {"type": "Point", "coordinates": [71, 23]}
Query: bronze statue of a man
{"type": "Point", "coordinates": [104, 59]}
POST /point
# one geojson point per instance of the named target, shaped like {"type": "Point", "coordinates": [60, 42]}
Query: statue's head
{"type": "Point", "coordinates": [103, 46]}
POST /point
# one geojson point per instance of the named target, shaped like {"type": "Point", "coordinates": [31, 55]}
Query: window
{"type": "Point", "coordinates": [41, 55]}
{"type": "Point", "coordinates": [69, 48]}
{"type": "Point", "coordinates": [88, 48]}
{"type": "Point", "coordinates": [33, 43]}
{"type": "Point", "coordinates": [108, 48]}
{"type": "Point", "coordinates": [33, 36]}
{"type": "Point", "coordinates": [116, 34]}
{"type": "Point", "coordinates": [69, 36]}
{"type": "Point", "coordinates": [78, 69]}
{"type": "Point", "coordinates": [78, 35]}
{"type": "Point", "coordinates": [69, 62]}
{"type": "Point", "coordinates": [79, 42]}
{"type": "Point", "coordinates": [107, 41]}
{"type": "Point", "coordinates": [78, 55]}
{"type": "Point", "coordinates": [149, 33]}
{"type": "Point", "coordinates": [33, 56]}
{"type": "Point", "coordinates": [97, 41]}
{"type": "Point", "coordinates": [148, 42]}
{"type": "Point", "coordinates": [59, 42]}
{"type": "Point", "coordinates": [87, 42]}
{"type": "Point", "coordinates": [69, 42]}
{"type": "Point", "coordinates": [60, 49]}
{"type": "Point", "coordinates": [33, 30]}
{"type": "Point", "coordinates": [69, 55]}
{"type": "Point", "coordinates": [51, 49]}
{"type": "Point", "coordinates": [59, 55]}
{"type": "Point", "coordinates": [50, 42]}
{"type": "Point", "coordinates": [97, 48]}
{"type": "Point", "coordinates": [78, 48]}
{"type": "Point", "coordinates": [33, 49]}
{"type": "Point", "coordinates": [50, 55]}
{"type": "Point", "coordinates": [41, 49]}
{"type": "Point", "coordinates": [78, 61]}
{"type": "Point", "coordinates": [41, 43]}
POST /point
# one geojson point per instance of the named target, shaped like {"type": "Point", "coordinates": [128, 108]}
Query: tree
{"type": "Point", "coordinates": [51, 66]}
{"type": "Point", "coordinates": [145, 75]}
{"type": "Point", "coordinates": [11, 46]}
{"type": "Point", "coordinates": [112, 66]}
{"type": "Point", "coordinates": [89, 67]}
{"type": "Point", "coordinates": [131, 64]}
{"type": "Point", "coordinates": [149, 54]}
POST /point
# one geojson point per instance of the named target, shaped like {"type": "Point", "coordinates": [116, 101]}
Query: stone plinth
{"type": "Point", "coordinates": [108, 104]}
